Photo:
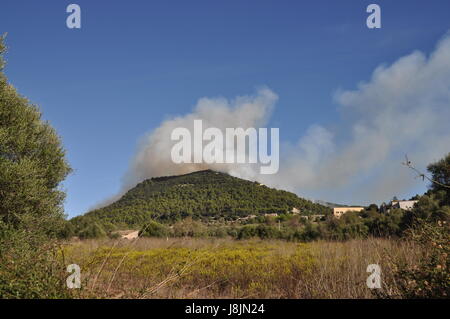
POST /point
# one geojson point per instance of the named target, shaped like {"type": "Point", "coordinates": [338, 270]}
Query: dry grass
{"type": "Point", "coordinates": [224, 268]}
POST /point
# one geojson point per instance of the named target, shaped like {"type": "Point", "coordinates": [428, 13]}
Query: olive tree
{"type": "Point", "coordinates": [32, 160]}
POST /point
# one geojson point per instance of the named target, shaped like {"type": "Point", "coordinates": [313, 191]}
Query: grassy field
{"type": "Point", "coordinates": [225, 268]}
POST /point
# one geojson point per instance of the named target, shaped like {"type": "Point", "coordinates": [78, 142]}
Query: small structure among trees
{"type": "Point", "coordinates": [339, 211]}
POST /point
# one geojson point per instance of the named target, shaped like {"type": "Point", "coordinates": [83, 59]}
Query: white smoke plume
{"type": "Point", "coordinates": [154, 154]}
{"type": "Point", "coordinates": [403, 109]}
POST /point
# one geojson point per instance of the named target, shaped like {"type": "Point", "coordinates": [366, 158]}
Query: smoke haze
{"type": "Point", "coordinates": [403, 109]}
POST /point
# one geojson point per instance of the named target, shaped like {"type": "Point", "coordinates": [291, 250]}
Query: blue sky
{"type": "Point", "coordinates": [135, 63]}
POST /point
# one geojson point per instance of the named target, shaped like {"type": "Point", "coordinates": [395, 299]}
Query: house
{"type": "Point", "coordinates": [339, 211]}
{"type": "Point", "coordinates": [403, 204]}
{"type": "Point", "coordinates": [128, 234]}
{"type": "Point", "coordinates": [132, 235]}
{"type": "Point", "coordinates": [295, 210]}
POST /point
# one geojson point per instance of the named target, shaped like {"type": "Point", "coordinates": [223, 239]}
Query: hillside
{"type": "Point", "coordinates": [201, 195]}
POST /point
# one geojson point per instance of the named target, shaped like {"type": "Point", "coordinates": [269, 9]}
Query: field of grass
{"type": "Point", "coordinates": [225, 268]}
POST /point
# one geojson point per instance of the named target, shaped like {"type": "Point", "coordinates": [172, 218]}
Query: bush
{"type": "Point", "coordinates": [94, 230]}
{"type": "Point", "coordinates": [267, 232]}
{"type": "Point", "coordinates": [430, 278]}
{"type": "Point", "coordinates": [247, 232]}
{"type": "Point", "coordinates": [30, 266]}
{"type": "Point", "coordinates": [385, 225]}
{"type": "Point", "coordinates": [154, 229]}
{"type": "Point", "coordinates": [114, 235]}
{"type": "Point", "coordinates": [219, 232]}
{"type": "Point", "coordinates": [189, 228]}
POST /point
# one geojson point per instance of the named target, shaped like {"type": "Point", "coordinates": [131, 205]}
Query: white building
{"type": "Point", "coordinates": [339, 211]}
{"type": "Point", "coordinates": [403, 204]}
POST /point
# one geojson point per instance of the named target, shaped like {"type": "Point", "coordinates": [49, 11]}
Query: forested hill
{"type": "Point", "coordinates": [201, 195]}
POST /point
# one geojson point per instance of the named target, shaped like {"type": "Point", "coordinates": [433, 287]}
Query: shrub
{"type": "Point", "coordinates": [267, 232]}
{"type": "Point", "coordinates": [154, 229]}
{"type": "Point", "coordinates": [94, 230]}
{"type": "Point", "coordinates": [189, 228]}
{"type": "Point", "coordinates": [429, 278]}
{"type": "Point", "coordinates": [247, 232]}
{"type": "Point", "coordinates": [30, 266]}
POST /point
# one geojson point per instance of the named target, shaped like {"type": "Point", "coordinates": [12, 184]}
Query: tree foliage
{"type": "Point", "coordinates": [440, 172]}
{"type": "Point", "coordinates": [203, 195]}
{"type": "Point", "coordinates": [32, 160]}
{"type": "Point", "coordinates": [32, 164]}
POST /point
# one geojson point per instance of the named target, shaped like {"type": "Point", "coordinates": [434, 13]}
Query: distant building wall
{"type": "Point", "coordinates": [339, 211]}
{"type": "Point", "coordinates": [130, 234]}
{"type": "Point", "coordinates": [403, 204]}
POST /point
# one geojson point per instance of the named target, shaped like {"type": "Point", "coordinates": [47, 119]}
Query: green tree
{"type": "Point", "coordinates": [32, 165]}
{"type": "Point", "coordinates": [154, 229]}
{"type": "Point", "coordinates": [32, 160]}
{"type": "Point", "coordinates": [440, 172]}
{"type": "Point", "coordinates": [93, 230]}
{"type": "Point", "coordinates": [428, 225]}
{"type": "Point", "coordinates": [247, 232]}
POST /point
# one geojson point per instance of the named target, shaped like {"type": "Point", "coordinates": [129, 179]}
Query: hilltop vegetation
{"type": "Point", "coordinates": [204, 196]}
{"type": "Point", "coordinates": [212, 204]}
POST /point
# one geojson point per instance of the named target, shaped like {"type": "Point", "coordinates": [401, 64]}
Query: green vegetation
{"type": "Point", "coordinates": [212, 204]}
{"type": "Point", "coordinates": [154, 229]}
{"type": "Point", "coordinates": [179, 212]}
{"type": "Point", "coordinates": [429, 227]}
{"type": "Point", "coordinates": [32, 165]}
{"type": "Point", "coordinates": [430, 276]}
{"type": "Point", "coordinates": [224, 268]}
{"type": "Point", "coordinates": [203, 196]}
{"type": "Point", "coordinates": [441, 176]}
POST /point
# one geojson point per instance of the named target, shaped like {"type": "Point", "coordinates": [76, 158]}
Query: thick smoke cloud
{"type": "Point", "coordinates": [403, 109]}
{"type": "Point", "coordinates": [154, 154]}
